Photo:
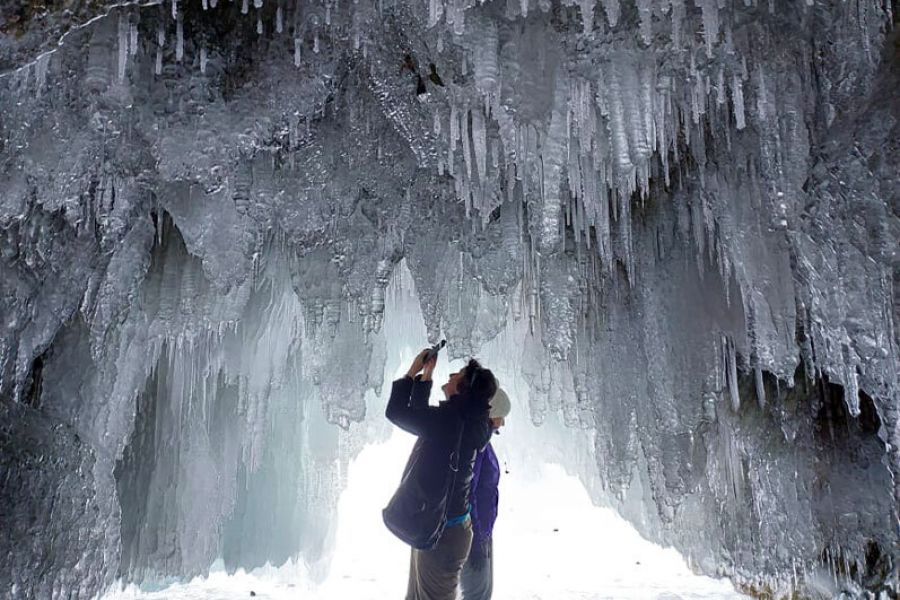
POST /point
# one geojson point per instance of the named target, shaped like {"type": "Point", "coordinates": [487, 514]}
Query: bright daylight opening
{"type": "Point", "coordinates": [550, 541]}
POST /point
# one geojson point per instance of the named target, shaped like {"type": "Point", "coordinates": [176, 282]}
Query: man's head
{"type": "Point", "coordinates": [500, 407]}
{"type": "Point", "coordinates": [473, 381]}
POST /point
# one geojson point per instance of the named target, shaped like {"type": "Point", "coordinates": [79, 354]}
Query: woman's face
{"type": "Point", "coordinates": [452, 384]}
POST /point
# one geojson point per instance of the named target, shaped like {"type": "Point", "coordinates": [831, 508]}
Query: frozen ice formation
{"type": "Point", "coordinates": [682, 216]}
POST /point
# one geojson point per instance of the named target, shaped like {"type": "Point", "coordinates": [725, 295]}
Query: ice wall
{"type": "Point", "coordinates": [681, 216]}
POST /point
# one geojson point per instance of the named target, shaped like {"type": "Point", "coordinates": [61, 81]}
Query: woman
{"type": "Point", "coordinates": [477, 579]}
{"type": "Point", "coordinates": [434, 574]}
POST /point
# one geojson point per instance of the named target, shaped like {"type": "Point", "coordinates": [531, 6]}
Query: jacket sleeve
{"type": "Point", "coordinates": [485, 496]}
{"type": "Point", "coordinates": [478, 534]}
{"type": "Point", "coordinates": [408, 408]}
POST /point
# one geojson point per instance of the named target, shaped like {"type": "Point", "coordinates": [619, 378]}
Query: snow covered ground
{"type": "Point", "coordinates": [551, 543]}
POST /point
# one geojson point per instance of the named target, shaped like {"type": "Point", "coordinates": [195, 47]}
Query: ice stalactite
{"type": "Point", "coordinates": [612, 11]}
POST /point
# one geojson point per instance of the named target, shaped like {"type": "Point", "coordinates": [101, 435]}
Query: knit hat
{"type": "Point", "coordinates": [500, 405]}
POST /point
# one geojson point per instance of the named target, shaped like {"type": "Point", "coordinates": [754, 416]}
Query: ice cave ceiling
{"type": "Point", "coordinates": [684, 213]}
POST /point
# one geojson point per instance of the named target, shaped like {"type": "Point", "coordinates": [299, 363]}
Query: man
{"type": "Point", "coordinates": [434, 574]}
{"type": "Point", "coordinates": [477, 580]}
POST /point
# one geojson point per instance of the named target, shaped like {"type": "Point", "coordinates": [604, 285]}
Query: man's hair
{"type": "Point", "coordinates": [478, 383]}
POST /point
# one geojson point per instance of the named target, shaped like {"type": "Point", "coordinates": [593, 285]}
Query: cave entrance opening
{"type": "Point", "coordinates": [550, 541]}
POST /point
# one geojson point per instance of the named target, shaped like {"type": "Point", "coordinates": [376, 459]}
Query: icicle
{"type": "Point", "coordinates": [731, 372]}
{"type": "Point", "coordinates": [174, 9]}
{"type": "Point", "coordinates": [203, 60]}
{"type": "Point", "coordinates": [205, 4]}
{"type": "Point", "coordinates": [454, 134]}
{"type": "Point", "coordinates": [298, 45]}
{"type": "Point", "coordinates": [316, 42]}
{"type": "Point", "coordinates": [123, 46]}
{"type": "Point", "coordinates": [434, 13]}
{"type": "Point", "coordinates": [677, 19]}
{"type": "Point", "coordinates": [737, 99]}
{"type": "Point", "coordinates": [645, 12]}
{"type": "Point", "coordinates": [259, 25]}
{"type": "Point", "coordinates": [328, 14]}
{"type": "Point", "coordinates": [484, 57]}
{"type": "Point", "coordinates": [133, 39]}
{"type": "Point", "coordinates": [617, 124]}
{"type": "Point", "coordinates": [729, 41]}
{"type": "Point", "coordinates": [698, 232]}
{"type": "Point", "coordinates": [624, 223]}
{"type": "Point", "coordinates": [552, 157]}
{"type": "Point", "coordinates": [710, 23]}
{"type": "Point", "coordinates": [584, 115]}
{"type": "Point", "coordinates": [257, 4]}
{"type": "Point", "coordinates": [160, 44]}
{"type": "Point", "coordinates": [40, 72]}
{"type": "Point", "coordinates": [179, 39]}
{"type": "Point", "coordinates": [245, 6]}
{"type": "Point", "coordinates": [851, 389]}
{"type": "Point", "coordinates": [697, 97]}
{"type": "Point", "coordinates": [479, 144]}
{"type": "Point", "coordinates": [639, 140]}
{"type": "Point", "coordinates": [587, 15]}
{"type": "Point", "coordinates": [510, 181]}
{"type": "Point", "coordinates": [661, 109]}
{"type": "Point", "coordinates": [762, 97]}
{"type": "Point", "coordinates": [760, 386]}
{"type": "Point", "coordinates": [719, 380]}
{"type": "Point", "coordinates": [612, 11]}
{"type": "Point", "coordinates": [464, 138]}
{"type": "Point", "coordinates": [720, 87]}
{"type": "Point", "coordinates": [376, 308]}
{"type": "Point", "coordinates": [279, 19]}
{"type": "Point", "coordinates": [458, 13]}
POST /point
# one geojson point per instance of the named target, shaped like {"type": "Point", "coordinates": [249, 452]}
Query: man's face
{"type": "Point", "coordinates": [452, 384]}
{"type": "Point", "coordinates": [498, 422]}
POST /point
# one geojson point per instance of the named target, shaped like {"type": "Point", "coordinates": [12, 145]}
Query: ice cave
{"type": "Point", "coordinates": [670, 227]}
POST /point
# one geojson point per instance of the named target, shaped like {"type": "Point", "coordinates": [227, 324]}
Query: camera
{"type": "Point", "coordinates": [433, 351]}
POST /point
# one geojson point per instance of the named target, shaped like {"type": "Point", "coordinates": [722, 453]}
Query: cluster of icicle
{"type": "Point", "coordinates": [567, 118]}
{"type": "Point", "coordinates": [611, 129]}
{"type": "Point", "coordinates": [662, 87]}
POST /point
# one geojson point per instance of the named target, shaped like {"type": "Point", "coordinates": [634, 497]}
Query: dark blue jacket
{"type": "Point", "coordinates": [434, 425]}
{"type": "Point", "coordinates": [485, 494]}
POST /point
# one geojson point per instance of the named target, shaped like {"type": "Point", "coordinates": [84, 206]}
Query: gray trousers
{"type": "Point", "coordinates": [478, 584]}
{"type": "Point", "coordinates": [434, 574]}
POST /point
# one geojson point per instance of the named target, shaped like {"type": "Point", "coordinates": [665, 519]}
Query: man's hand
{"type": "Point", "coordinates": [423, 366]}
{"type": "Point", "coordinates": [428, 368]}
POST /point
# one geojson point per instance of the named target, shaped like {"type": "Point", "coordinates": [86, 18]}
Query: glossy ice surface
{"type": "Point", "coordinates": [671, 224]}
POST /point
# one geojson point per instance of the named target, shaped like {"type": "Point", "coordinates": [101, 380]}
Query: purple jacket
{"type": "Point", "coordinates": [484, 495]}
